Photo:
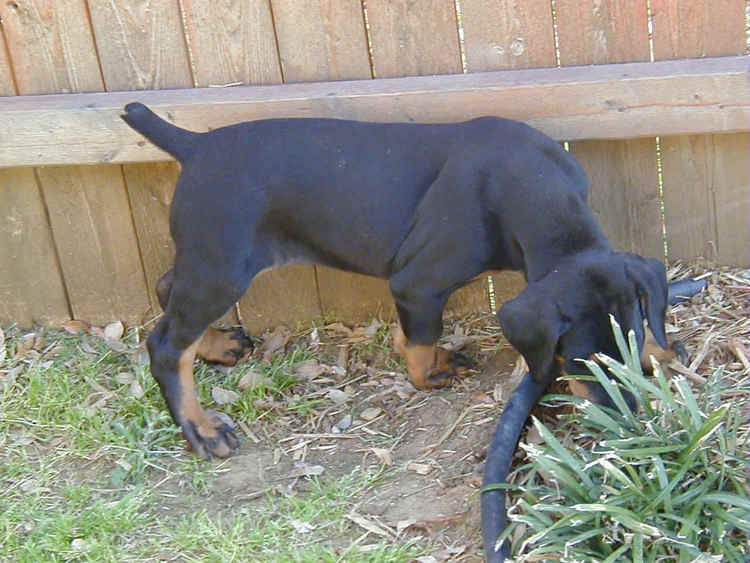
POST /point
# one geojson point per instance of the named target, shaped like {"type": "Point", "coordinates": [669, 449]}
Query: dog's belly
{"type": "Point", "coordinates": [372, 260]}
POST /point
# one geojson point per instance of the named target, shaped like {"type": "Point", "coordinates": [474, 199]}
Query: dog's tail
{"type": "Point", "coordinates": [176, 141]}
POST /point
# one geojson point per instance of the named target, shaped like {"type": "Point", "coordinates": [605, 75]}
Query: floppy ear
{"type": "Point", "coordinates": [650, 279]}
{"type": "Point", "coordinates": [533, 324]}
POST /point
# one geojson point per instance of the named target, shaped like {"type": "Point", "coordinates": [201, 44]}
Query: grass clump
{"type": "Point", "coordinates": [668, 483]}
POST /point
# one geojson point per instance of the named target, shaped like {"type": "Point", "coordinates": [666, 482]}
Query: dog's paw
{"type": "Point", "coordinates": [450, 365]}
{"type": "Point", "coordinates": [212, 436]}
{"type": "Point", "coordinates": [224, 346]}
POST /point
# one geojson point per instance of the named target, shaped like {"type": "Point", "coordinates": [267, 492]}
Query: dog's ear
{"type": "Point", "coordinates": [650, 279]}
{"type": "Point", "coordinates": [533, 324]}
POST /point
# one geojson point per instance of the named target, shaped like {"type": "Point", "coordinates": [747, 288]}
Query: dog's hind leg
{"type": "Point", "coordinates": [218, 345]}
{"type": "Point", "coordinates": [199, 293]}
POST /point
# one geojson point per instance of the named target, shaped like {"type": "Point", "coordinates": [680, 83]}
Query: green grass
{"type": "Point", "coordinates": [87, 446]}
{"type": "Point", "coordinates": [668, 483]}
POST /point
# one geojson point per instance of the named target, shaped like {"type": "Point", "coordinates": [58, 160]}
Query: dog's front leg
{"type": "Point", "coordinates": [428, 365]}
{"type": "Point", "coordinates": [172, 367]}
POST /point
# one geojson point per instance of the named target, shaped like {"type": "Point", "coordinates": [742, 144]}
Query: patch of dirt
{"type": "Point", "coordinates": [428, 447]}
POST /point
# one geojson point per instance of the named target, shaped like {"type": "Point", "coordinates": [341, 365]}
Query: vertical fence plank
{"type": "Point", "coordinates": [623, 174]}
{"type": "Point", "coordinates": [510, 34]}
{"type": "Point", "coordinates": [321, 40]}
{"type": "Point", "coordinates": [706, 177]}
{"type": "Point", "coordinates": [326, 40]}
{"type": "Point", "coordinates": [506, 35]}
{"type": "Point", "coordinates": [414, 38]}
{"type": "Point", "coordinates": [31, 286]}
{"type": "Point", "coordinates": [51, 51]}
{"type": "Point", "coordinates": [418, 38]}
{"type": "Point", "coordinates": [231, 42]}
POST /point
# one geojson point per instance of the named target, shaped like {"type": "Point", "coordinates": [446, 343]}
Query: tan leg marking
{"type": "Point", "coordinates": [424, 360]}
{"type": "Point", "coordinates": [206, 424]}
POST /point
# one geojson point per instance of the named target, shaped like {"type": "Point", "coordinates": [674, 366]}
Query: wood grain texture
{"type": "Point", "coordinates": [623, 175]}
{"type": "Point", "coordinates": [706, 177]}
{"type": "Point", "coordinates": [321, 40]}
{"type": "Point", "coordinates": [231, 42]}
{"type": "Point", "coordinates": [414, 38]}
{"type": "Point", "coordinates": [90, 217]}
{"type": "Point", "coordinates": [146, 40]}
{"type": "Point", "coordinates": [89, 213]}
{"type": "Point", "coordinates": [31, 287]}
{"type": "Point", "coordinates": [616, 101]}
{"type": "Point", "coordinates": [624, 194]}
{"type": "Point", "coordinates": [509, 34]}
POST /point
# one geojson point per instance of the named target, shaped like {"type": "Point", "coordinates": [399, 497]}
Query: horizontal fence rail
{"type": "Point", "coordinates": [614, 101]}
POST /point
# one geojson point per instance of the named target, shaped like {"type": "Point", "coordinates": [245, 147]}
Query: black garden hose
{"type": "Point", "coordinates": [499, 458]}
{"type": "Point", "coordinates": [683, 290]}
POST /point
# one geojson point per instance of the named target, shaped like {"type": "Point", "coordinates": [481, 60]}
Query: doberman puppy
{"type": "Point", "coordinates": [426, 206]}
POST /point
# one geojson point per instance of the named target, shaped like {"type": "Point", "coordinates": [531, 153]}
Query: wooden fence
{"type": "Point", "coordinates": [83, 230]}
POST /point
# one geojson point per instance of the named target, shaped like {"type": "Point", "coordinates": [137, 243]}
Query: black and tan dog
{"type": "Point", "coordinates": [427, 207]}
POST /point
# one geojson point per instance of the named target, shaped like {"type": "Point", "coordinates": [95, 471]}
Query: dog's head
{"type": "Point", "coordinates": [565, 316]}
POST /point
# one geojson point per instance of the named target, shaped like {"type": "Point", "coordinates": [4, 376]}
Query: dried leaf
{"type": "Point", "coordinates": [79, 545]}
{"type": "Point", "coordinates": [135, 389]}
{"type": "Point", "coordinates": [224, 396]}
{"type": "Point", "coordinates": [304, 469]}
{"type": "Point", "coordinates": [314, 338]}
{"type": "Point", "coordinates": [141, 357]}
{"type": "Point", "coordinates": [74, 326]}
{"type": "Point", "coordinates": [310, 369]}
{"type": "Point", "coordinates": [384, 455]}
{"type": "Point", "coordinates": [125, 378]}
{"type": "Point", "coordinates": [340, 328]}
{"type": "Point", "coordinates": [483, 398]}
{"type": "Point", "coordinates": [116, 345]}
{"type": "Point", "coordinates": [533, 436]}
{"type": "Point", "coordinates": [251, 380]}
{"type": "Point", "coordinates": [367, 332]}
{"type": "Point", "coordinates": [370, 413]}
{"type": "Point", "coordinates": [420, 468]}
{"type": "Point", "coordinates": [453, 342]}
{"type": "Point", "coordinates": [91, 410]}
{"type": "Point", "coordinates": [402, 525]}
{"type": "Point", "coordinates": [274, 342]}
{"type": "Point", "coordinates": [369, 525]}
{"type": "Point", "coordinates": [338, 396]}
{"type": "Point", "coordinates": [302, 527]}
{"type": "Point", "coordinates": [114, 331]}
{"type": "Point", "coordinates": [344, 423]}
{"type": "Point", "coordinates": [87, 347]}
{"type": "Point", "coordinates": [25, 345]}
